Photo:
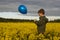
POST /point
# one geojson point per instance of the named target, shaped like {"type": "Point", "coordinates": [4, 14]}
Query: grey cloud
{"type": "Point", "coordinates": [44, 3]}
{"type": "Point", "coordinates": [32, 5]}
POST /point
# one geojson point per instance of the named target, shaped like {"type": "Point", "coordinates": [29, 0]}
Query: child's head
{"type": "Point", "coordinates": [41, 12]}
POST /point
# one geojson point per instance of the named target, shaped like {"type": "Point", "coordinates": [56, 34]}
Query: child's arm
{"type": "Point", "coordinates": [38, 23]}
{"type": "Point", "coordinates": [41, 21]}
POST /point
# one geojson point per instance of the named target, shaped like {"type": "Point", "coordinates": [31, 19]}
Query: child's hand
{"type": "Point", "coordinates": [35, 20]}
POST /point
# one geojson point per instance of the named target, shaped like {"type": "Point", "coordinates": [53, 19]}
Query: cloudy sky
{"type": "Point", "coordinates": [52, 7]}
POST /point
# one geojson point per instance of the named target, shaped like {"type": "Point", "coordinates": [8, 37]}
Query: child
{"type": "Point", "coordinates": [41, 24]}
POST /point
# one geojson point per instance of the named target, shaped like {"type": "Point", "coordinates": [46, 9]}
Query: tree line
{"type": "Point", "coordinates": [22, 20]}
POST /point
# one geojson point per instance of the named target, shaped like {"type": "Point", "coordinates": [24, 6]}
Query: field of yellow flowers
{"type": "Point", "coordinates": [28, 31]}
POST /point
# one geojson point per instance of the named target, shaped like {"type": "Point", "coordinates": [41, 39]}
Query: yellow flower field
{"type": "Point", "coordinates": [26, 31]}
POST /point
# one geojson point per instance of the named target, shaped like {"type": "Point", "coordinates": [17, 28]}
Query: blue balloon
{"type": "Point", "coordinates": [22, 9]}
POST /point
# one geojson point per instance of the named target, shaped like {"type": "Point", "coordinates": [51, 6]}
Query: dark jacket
{"type": "Point", "coordinates": [41, 24]}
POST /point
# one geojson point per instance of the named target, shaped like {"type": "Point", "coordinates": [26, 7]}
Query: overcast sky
{"type": "Point", "coordinates": [52, 7]}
